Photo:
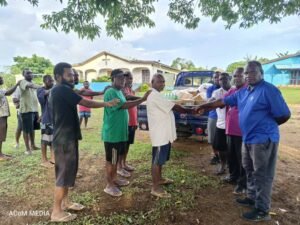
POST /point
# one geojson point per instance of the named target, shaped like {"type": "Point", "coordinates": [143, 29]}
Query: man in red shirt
{"type": "Point", "coordinates": [123, 168]}
{"type": "Point", "coordinates": [85, 112]}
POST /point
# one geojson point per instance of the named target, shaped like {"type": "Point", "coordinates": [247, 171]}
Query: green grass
{"type": "Point", "coordinates": [291, 95]}
{"type": "Point", "coordinates": [23, 178]}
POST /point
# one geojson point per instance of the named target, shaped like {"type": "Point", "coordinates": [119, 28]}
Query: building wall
{"type": "Point", "coordinates": [279, 77]}
{"type": "Point", "coordinates": [98, 66]}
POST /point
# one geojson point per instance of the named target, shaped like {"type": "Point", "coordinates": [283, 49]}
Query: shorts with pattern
{"type": "Point", "coordinates": [46, 133]}
{"type": "Point", "coordinates": [161, 154]}
{"type": "Point", "coordinates": [84, 114]}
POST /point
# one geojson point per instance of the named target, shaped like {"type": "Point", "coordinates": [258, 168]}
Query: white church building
{"type": "Point", "coordinates": [104, 62]}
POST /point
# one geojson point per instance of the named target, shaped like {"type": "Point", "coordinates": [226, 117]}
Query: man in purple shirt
{"type": "Point", "coordinates": [234, 138]}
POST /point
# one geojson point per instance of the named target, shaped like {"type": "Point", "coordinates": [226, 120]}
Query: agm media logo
{"type": "Point", "coordinates": [21, 213]}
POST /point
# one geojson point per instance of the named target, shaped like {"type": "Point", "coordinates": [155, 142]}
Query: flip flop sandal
{"type": "Point", "coordinates": [123, 173]}
{"type": "Point", "coordinates": [47, 165]}
{"type": "Point", "coordinates": [129, 168]}
{"type": "Point", "coordinates": [113, 192]}
{"type": "Point", "coordinates": [122, 183]}
{"type": "Point", "coordinates": [163, 194]}
{"type": "Point", "coordinates": [67, 218]}
{"type": "Point", "coordinates": [76, 207]}
{"type": "Point", "coordinates": [166, 181]}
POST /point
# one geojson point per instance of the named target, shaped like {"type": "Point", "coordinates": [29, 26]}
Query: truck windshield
{"type": "Point", "coordinates": [195, 81]}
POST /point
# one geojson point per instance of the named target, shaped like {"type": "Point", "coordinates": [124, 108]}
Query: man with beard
{"type": "Point", "coordinates": [63, 109]}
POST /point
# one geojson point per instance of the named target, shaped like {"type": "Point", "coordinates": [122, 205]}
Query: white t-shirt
{"type": "Point", "coordinates": [221, 112]}
{"type": "Point", "coordinates": [161, 119]}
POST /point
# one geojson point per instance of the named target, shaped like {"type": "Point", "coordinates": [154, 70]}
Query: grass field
{"type": "Point", "coordinates": [22, 178]}
{"type": "Point", "coordinates": [291, 95]}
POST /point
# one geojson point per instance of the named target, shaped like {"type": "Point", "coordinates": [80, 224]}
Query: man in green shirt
{"type": "Point", "coordinates": [115, 130]}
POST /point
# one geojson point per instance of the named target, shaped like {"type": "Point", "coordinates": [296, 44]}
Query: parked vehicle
{"type": "Point", "coordinates": [186, 124]}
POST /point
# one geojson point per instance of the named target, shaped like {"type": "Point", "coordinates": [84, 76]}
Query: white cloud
{"type": "Point", "coordinates": [208, 45]}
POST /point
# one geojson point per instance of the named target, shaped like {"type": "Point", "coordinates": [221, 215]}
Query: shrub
{"type": "Point", "coordinates": [144, 87]}
{"type": "Point", "coordinates": [102, 79]}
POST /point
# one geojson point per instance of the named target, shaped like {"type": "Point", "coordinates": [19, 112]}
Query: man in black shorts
{"type": "Point", "coordinates": [63, 109]}
{"type": "Point", "coordinates": [29, 110]}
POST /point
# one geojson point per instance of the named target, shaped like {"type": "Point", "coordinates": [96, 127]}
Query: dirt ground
{"type": "Point", "coordinates": [214, 207]}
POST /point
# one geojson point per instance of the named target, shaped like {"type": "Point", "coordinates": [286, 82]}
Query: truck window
{"type": "Point", "coordinates": [188, 81]}
{"type": "Point", "coordinates": [197, 81]}
{"type": "Point", "coordinates": [206, 80]}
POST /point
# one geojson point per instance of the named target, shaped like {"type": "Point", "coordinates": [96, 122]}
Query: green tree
{"type": "Point", "coordinates": [183, 64]}
{"type": "Point", "coordinates": [233, 66]}
{"type": "Point", "coordinates": [38, 65]}
{"type": "Point", "coordinates": [81, 16]}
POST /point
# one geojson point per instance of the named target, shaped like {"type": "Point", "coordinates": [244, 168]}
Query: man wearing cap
{"type": "Point", "coordinates": [115, 131]}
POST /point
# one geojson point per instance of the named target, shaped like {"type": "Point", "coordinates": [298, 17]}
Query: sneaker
{"type": "Point", "coordinates": [215, 160]}
{"type": "Point", "coordinates": [256, 215]}
{"type": "Point", "coordinates": [17, 146]}
{"type": "Point", "coordinates": [246, 202]}
{"type": "Point", "coordinates": [239, 190]}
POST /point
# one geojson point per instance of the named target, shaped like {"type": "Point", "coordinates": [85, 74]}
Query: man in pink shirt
{"type": "Point", "coordinates": [123, 168]}
{"type": "Point", "coordinates": [234, 138]}
{"type": "Point", "coordinates": [85, 112]}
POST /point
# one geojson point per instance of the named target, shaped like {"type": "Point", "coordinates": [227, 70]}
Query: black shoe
{"type": "Point", "coordinates": [246, 202]}
{"type": "Point", "coordinates": [239, 190]}
{"type": "Point", "coordinates": [215, 160]}
{"type": "Point", "coordinates": [256, 215]}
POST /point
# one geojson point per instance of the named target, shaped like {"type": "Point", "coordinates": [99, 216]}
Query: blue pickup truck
{"type": "Point", "coordinates": [186, 124]}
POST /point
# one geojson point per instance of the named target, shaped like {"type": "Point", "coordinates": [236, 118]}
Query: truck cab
{"type": "Point", "coordinates": [186, 124]}
{"type": "Point", "coordinates": [194, 79]}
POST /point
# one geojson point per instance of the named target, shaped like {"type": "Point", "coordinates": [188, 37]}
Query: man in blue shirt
{"type": "Point", "coordinates": [261, 109]}
{"type": "Point", "coordinates": [212, 118]}
{"type": "Point", "coordinates": [46, 125]}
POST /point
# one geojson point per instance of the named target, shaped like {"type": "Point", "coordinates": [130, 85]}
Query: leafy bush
{"type": "Point", "coordinates": [104, 78]}
{"type": "Point", "coordinates": [9, 80]}
{"type": "Point", "coordinates": [144, 87]}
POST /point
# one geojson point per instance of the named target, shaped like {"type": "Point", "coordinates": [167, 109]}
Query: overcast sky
{"type": "Point", "coordinates": [207, 46]}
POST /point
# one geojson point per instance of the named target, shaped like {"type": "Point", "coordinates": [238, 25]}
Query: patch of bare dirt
{"type": "Point", "coordinates": [214, 206]}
